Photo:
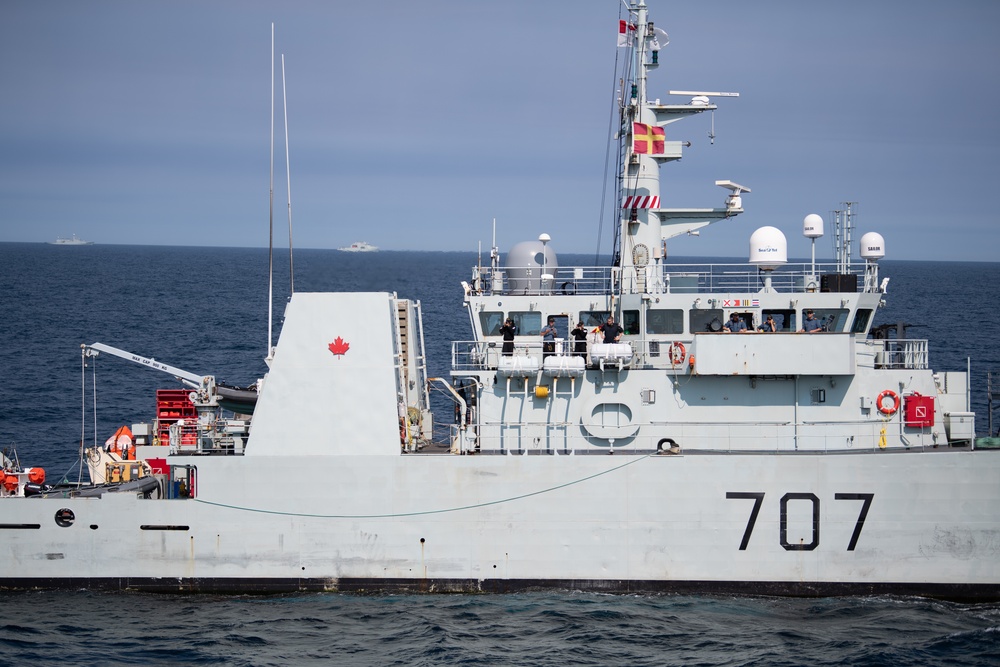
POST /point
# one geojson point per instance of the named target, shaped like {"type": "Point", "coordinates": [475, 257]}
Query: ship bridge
{"type": "Point", "coordinates": [669, 312]}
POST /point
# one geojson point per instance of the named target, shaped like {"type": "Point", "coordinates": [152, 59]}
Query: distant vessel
{"type": "Point", "coordinates": [73, 240]}
{"type": "Point", "coordinates": [360, 246]}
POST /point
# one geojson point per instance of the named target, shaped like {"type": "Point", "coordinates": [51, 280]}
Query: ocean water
{"type": "Point", "coordinates": [550, 629]}
{"type": "Point", "coordinates": [205, 310]}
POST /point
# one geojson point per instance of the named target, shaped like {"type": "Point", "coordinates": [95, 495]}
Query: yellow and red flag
{"type": "Point", "coordinates": [647, 139]}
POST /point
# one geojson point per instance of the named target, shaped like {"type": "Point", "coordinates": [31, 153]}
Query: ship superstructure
{"type": "Point", "coordinates": [677, 375]}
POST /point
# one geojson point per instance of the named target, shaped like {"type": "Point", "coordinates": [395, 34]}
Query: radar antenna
{"type": "Point", "coordinates": [700, 98]}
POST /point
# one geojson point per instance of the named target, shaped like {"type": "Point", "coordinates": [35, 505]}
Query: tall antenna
{"type": "Point", "coordinates": [837, 231]}
{"type": "Point", "coordinates": [270, 241]}
{"type": "Point", "coordinates": [848, 227]}
{"type": "Point", "coordinates": [288, 172]}
{"type": "Point", "coordinates": [494, 251]}
{"type": "Point", "coordinates": [843, 220]}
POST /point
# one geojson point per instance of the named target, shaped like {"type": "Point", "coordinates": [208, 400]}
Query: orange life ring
{"type": "Point", "coordinates": [677, 353]}
{"type": "Point", "coordinates": [895, 402]}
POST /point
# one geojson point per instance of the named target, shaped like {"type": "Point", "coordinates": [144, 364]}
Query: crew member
{"type": "Point", "coordinates": [735, 325]}
{"type": "Point", "coordinates": [811, 324]}
{"type": "Point", "coordinates": [612, 332]}
{"type": "Point", "coordinates": [509, 331]}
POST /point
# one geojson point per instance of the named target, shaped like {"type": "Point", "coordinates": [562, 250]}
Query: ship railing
{"type": "Point", "coordinates": [910, 353]}
{"type": "Point", "coordinates": [485, 355]}
{"type": "Point", "coordinates": [906, 353]}
{"type": "Point", "coordinates": [675, 352]}
{"type": "Point", "coordinates": [470, 355]}
{"type": "Point", "coordinates": [749, 437]}
{"type": "Point", "coordinates": [665, 279]}
{"type": "Point", "coordinates": [784, 437]}
{"type": "Point", "coordinates": [181, 435]}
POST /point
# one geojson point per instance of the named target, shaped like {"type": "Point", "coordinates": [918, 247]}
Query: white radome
{"type": "Point", "coordinates": [768, 248]}
{"type": "Point", "coordinates": [872, 246]}
{"type": "Point", "coordinates": [812, 226]}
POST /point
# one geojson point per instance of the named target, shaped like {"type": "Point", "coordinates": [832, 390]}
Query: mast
{"type": "Point", "coordinates": [270, 241]}
{"type": "Point", "coordinates": [641, 179]}
{"type": "Point", "coordinates": [288, 174]}
{"type": "Point", "coordinates": [640, 187]}
{"type": "Point", "coordinates": [644, 225]}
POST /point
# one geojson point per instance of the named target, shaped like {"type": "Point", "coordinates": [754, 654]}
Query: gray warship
{"type": "Point", "coordinates": [680, 428]}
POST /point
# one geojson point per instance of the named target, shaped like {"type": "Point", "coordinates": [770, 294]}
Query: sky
{"type": "Point", "coordinates": [414, 124]}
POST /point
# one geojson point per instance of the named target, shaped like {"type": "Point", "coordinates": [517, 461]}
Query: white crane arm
{"type": "Point", "coordinates": [187, 377]}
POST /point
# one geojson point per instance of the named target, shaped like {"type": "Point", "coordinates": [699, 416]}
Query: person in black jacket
{"type": "Point", "coordinates": [612, 331]}
{"type": "Point", "coordinates": [580, 336]}
{"type": "Point", "coordinates": [508, 330]}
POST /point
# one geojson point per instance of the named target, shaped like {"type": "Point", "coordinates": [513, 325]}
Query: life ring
{"type": "Point", "coordinates": [895, 402]}
{"type": "Point", "coordinates": [677, 353]}
{"type": "Point", "coordinates": [568, 288]}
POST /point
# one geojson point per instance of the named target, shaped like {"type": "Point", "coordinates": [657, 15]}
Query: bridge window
{"type": "Point", "coordinates": [630, 322]}
{"type": "Point", "coordinates": [833, 319]}
{"type": "Point", "coordinates": [862, 318]}
{"type": "Point", "coordinates": [491, 321]}
{"type": "Point", "coordinates": [706, 319]}
{"type": "Point", "coordinates": [665, 321]}
{"type": "Point", "coordinates": [784, 319]}
{"type": "Point", "coordinates": [528, 323]}
{"type": "Point", "coordinates": [593, 318]}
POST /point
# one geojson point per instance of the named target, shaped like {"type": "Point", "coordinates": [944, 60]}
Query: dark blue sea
{"type": "Point", "coordinates": [205, 310]}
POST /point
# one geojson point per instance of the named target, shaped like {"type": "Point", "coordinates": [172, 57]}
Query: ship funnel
{"type": "Point", "coordinates": [768, 248]}
{"type": "Point", "coordinates": [526, 262]}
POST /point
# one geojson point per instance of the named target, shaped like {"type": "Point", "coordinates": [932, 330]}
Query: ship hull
{"type": "Point", "coordinates": [901, 523]}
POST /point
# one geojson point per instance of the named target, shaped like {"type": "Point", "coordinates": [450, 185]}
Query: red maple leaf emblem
{"type": "Point", "coordinates": [339, 347]}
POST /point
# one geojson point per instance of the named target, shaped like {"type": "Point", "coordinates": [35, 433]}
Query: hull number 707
{"type": "Point", "coordinates": [758, 498]}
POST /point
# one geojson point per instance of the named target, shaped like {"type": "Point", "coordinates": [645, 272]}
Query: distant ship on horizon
{"type": "Point", "coordinates": [73, 240]}
{"type": "Point", "coordinates": [360, 246]}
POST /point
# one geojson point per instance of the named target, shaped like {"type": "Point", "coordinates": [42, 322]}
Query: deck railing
{"type": "Point", "coordinates": [664, 279]}
{"type": "Point", "coordinates": [910, 353]}
{"type": "Point", "coordinates": [763, 437]}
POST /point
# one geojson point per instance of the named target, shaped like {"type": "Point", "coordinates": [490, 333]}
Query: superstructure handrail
{"type": "Point", "coordinates": [657, 278]}
{"type": "Point", "coordinates": [653, 352]}
{"type": "Point", "coordinates": [709, 437]}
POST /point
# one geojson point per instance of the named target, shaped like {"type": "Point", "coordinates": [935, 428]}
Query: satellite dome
{"type": "Point", "coordinates": [872, 247]}
{"type": "Point", "coordinates": [524, 266]}
{"type": "Point", "coordinates": [812, 226]}
{"type": "Point", "coordinates": [768, 248]}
